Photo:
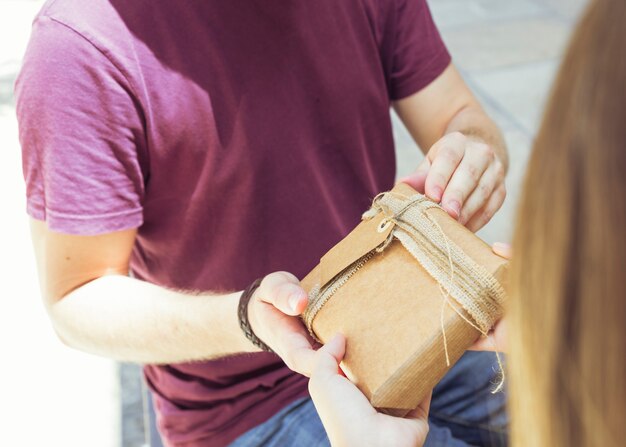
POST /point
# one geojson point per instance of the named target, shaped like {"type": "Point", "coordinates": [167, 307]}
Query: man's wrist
{"type": "Point", "coordinates": [243, 310]}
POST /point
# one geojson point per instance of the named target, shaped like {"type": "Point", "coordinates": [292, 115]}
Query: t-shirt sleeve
{"type": "Point", "coordinates": [82, 135]}
{"type": "Point", "coordinates": [418, 54]}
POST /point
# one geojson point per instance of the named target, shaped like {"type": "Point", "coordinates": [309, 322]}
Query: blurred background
{"type": "Point", "coordinates": [508, 52]}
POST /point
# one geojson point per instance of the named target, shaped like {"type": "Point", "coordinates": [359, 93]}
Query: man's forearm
{"type": "Point", "coordinates": [473, 122]}
{"type": "Point", "coordinates": [466, 159]}
{"type": "Point", "coordinates": [132, 320]}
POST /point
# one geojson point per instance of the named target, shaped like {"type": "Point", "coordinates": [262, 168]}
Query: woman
{"type": "Point", "coordinates": [567, 312]}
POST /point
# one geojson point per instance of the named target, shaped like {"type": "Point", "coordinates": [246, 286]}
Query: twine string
{"type": "Point", "coordinates": [476, 291]}
{"type": "Point", "coordinates": [382, 203]}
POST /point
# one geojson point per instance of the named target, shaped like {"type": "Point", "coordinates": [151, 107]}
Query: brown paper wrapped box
{"type": "Point", "coordinates": [390, 310]}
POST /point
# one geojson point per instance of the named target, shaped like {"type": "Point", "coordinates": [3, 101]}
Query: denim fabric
{"type": "Point", "coordinates": [463, 413]}
{"type": "Point", "coordinates": [464, 410]}
{"type": "Point", "coordinates": [295, 425]}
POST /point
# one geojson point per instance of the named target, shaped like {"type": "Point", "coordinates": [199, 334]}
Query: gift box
{"type": "Point", "coordinates": [411, 289]}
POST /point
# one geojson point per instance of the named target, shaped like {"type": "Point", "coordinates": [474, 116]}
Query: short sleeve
{"type": "Point", "coordinates": [418, 54]}
{"type": "Point", "coordinates": [82, 135]}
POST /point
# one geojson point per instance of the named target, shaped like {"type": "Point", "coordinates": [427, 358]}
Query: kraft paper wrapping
{"type": "Point", "coordinates": [390, 313]}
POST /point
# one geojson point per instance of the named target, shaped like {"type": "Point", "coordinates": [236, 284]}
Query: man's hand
{"type": "Point", "coordinates": [348, 417]}
{"type": "Point", "coordinates": [274, 311]}
{"type": "Point", "coordinates": [95, 307]}
{"type": "Point", "coordinates": [465, 165]}
{"type": "Point", "coordinates": [465, 175]}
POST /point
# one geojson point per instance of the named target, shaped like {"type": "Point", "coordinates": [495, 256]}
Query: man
{"type": "Point", "coordinates": [204, 144]}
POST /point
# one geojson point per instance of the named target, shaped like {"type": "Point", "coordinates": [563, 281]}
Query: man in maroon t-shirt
{"type": "Point", "coordinates": [201, 145]}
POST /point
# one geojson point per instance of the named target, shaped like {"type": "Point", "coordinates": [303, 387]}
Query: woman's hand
{"type": "Point", "coordinates": [496, 340]}
{"type": "Point", "coordinates": [347, 415]}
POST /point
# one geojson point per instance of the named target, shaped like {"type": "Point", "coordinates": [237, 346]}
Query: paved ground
{"type": "Point", "coordinates": [507, 50]}
{"type": "Point", "coordinates": [51, 395]}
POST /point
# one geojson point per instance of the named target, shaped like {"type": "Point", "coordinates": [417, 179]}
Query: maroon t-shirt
{"type": "Point", "coordinates": [241, 138]}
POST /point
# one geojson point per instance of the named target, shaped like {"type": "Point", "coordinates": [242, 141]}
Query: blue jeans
{"type": "Point", "coordinates": [463, 413]}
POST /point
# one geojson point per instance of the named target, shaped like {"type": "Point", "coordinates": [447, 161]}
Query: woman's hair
{"type": "Point", "coordinates": [568, 303]}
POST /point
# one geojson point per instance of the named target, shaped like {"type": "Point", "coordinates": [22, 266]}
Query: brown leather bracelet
{"type": "Point", "coordinates": [242, 313]}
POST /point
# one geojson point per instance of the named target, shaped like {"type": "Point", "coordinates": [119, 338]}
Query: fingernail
{"type": "Point", "coordinates": [293, 302]}
{"type": "Point", "coordinates": [437, 193]}
{"type": "Point", "coordinates": [502, 245]}
{"type": "Point", "coordinates": [455, 206]}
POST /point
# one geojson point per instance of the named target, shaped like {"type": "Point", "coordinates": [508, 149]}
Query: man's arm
{"type": "Point", "coordinates": [97, 308]}
{"type": "Point", "coordinates": [466, 158]}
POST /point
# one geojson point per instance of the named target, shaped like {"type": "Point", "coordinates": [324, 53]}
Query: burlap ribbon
{"type": "Point", "coordinates": [478, 297]}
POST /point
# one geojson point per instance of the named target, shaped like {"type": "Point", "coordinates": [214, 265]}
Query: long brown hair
{"type": "Point", "coordinates": [568, 303]}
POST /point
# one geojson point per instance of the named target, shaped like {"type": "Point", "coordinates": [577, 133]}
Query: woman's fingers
{"type": "Point", "coordinates": [496, 340]}
{"type": "Point", "coordinates": [503, 249]}
{"type": "Point", "coordinates": [422, 410]}
{"type": "Point", "coordinates": [329, 356]}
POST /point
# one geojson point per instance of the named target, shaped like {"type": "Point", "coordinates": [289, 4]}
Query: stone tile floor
{"type": "Point", "coordinates": [508, 52]}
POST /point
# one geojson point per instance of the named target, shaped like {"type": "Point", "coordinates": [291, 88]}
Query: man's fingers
{"type": "Point", "coordinates": [273, 315]}
{"type": "Point", "coordinates": [482, 216]}
{"type": "Point", "coordinates": [446, 156]}
{"type": "Point", "coordinates": [492, 176]}
{"type": "Point", "coordinates": [286, 335]}
{"type": "Point", "coordinates": [294, 345]}
{"type": "Point", "coordinates": [466, 176]}
{"type": "Point", "coordinates": [300, 359]}
{"type": "Point", "coordinates": [417, 180]}
{"type": "Point", "coordinates": [283, 291]}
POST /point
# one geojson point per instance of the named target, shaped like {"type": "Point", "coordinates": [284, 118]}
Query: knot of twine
{"type": "Point", "coordinates": [479, 295]}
